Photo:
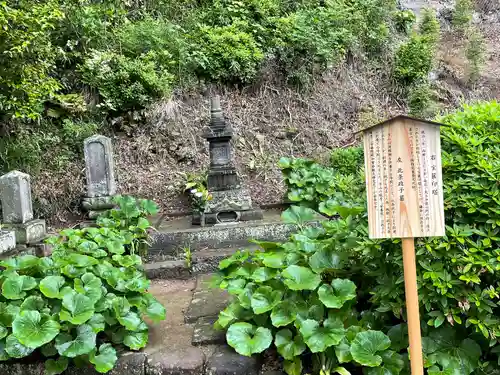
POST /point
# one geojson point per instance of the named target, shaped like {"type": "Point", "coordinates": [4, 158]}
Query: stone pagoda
{"type": "Point", "coordinates": [230, 201]}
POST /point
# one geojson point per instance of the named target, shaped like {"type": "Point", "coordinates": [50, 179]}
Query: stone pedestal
{"type": "Point", "coordinates": [15, 194]}
{"type": "Point", "coordinates": [230, 201]}
{"type": "Point", "coordinates": [100, 175]}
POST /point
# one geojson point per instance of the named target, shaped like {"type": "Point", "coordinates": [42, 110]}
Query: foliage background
{"type": "Point", "coordinates": [285, 93]}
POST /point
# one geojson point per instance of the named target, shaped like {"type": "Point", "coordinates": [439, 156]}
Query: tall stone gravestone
{"type": "Point", "coordinates": [100, 175]}
{"type": "Point", "coordinates": [17, 207]}
{"type": "Point", "coordinates": [230, 201]}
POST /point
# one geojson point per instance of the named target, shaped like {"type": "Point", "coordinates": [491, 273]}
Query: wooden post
{"type": "Point", "coordinates": [413, 315]}
{"type": "Point", "coordinates": [405, 199]}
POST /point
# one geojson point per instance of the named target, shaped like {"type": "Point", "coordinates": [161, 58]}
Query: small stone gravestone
{"type": "Point", "coordinates": [100, 175]}
{"type": "Point", "coordinates": [17, 207]}
{"type": "Point", "coordinates": [7, 240]}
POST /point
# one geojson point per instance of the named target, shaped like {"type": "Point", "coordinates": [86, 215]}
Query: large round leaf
{"type": "Point", "coordinates": [334, 296]}
{"type": "Point", "coordinates": [121, 306]}
{"type": "Point", "coordinates": [366, 347]}
{"type": "Point", "coordinates": [263, 274]}
{"type": "Point", "coordinates": [8, 313]}
{"type": "Point", "coordinates": [274, 259]}
{"type": "Point", "coordinates": [90, 286]}
{"type": "Point", "coordinates": [79, 260]}
{"type": "Point", "coordinates": [15, 349]}
{"type": "Point", "coordinates": [154, 309]}
{"type": "Point", "coordinates": [3, 331]}
{"type": "Point", "coordinates": [34, 303]}
{"type": "Point", "coordinates": [97, 322]}
{"type": "Point", "coordinates": [284, 313]}
{"type": "Point", "coordinates": [127, 260]}
{"type": "Point", "coordinates": [4, 356]}
{"type": "Point", "coordinates": [232, 313]}
{"type": "Point", "coordinates": [318, 338]}
{"type": "Point", "coordinates": [105, 360]}
{"type": "Point", "coordinates": [136, 340]}
{"type": "Point", "coordinates": [14, 286]}
{"type": "Point", "coordinates": [300, 278]}
{"type": "Point", "coordinates": [293, 367]}
{"type": "Point", "coordinates": [72, 347]}
{"type": "Point", "coordinates": [247, 339]}
{"type": "Point", "coordinates": [78, 308]}
{"type": "Point", "coordinates": [34, 330]}
{"type": "Point", "coordinates": [131, 321]}
{"type": "Point", "coordinates": [56, 367]}
{"type": "Point", "coordinates": [287, 345]}
{"type": "Point", "coordinates": [298, 215]}
{"type": "Point", "coordinates": [326, 259]}
{"type": "Point", "coordinates": [265, 299]}
{"type": "Point", "coordinates": [245, 297]}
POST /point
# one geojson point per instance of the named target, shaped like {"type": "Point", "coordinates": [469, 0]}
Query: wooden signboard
{"type": "Point", "coordinates": [403, 179]}
{"type": "Point", "coordinates": [405, 199]}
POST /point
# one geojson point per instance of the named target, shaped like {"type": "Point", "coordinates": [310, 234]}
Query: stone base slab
{"type": "Point", "coordinates": [95, 206]}
{"type": "Point", "coordinates": [30, 232]}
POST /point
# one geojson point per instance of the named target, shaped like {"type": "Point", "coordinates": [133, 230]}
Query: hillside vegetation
{"type": "Point", "coordinates": [135, 69]}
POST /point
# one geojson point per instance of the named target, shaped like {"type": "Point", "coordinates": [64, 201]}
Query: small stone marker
{"type": "Point", "coordinates": [100, 174]}
{"type": "Point", "coordinates": [405, 199]}
{"type": "Point", "coordinates": [15, 194]}
{"type": "Point", "coordinates": [7, 241]}
{"type": "Point", "coordinates": [15, 191]}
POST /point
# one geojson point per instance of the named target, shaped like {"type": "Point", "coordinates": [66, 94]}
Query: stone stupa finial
{"type": "Point", "coordinates": [217, 117]}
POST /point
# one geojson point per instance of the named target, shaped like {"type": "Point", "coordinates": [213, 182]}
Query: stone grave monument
{"type": "Point", "coordinates": [230, 201]}
{"type": "Point", "coordinates": [15, 194]}
{"type": "Point", "coordinates": [100, 175]}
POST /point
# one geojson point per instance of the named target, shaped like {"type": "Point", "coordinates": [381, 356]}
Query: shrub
{"type": "Point", "coordinates": [312, 184]}
{"type": "Point", "coordinates": [420, 100]}
{"type": "Point", "coordinates": [462, 13]}
{"type": "Point", "coordinates": [413, 61]}
{"type": "Point", "coordinates": [27, 57]}
{"type": "Point", "coordinates": [347, 161]}
{"type": "Point", "coordinates": [299, 295]}
{"type": "Point", "coordinates": [404, 20]}
{"type": "Point", "coordinates": [457, 274]}
{"type": "Point", "coordinates": [310, 40]}
{"type": "Point", "coordinates": [27, 148]}
{"type": "Point", "coordinates": [84, 300]}
{"type": "Point", "coordinates": [429, 26]}
{"type": "Point", "coordinates": [127, 83]}
{"type": "Point", "coordinates": [225, 54]}
{"type": "Point", "coordinates": [475, 52]}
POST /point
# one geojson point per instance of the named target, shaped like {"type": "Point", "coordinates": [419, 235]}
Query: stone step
{"type": "Point", "coordinates": [203, 261]}
{"type": "Point", "coordinates": [173, 236]}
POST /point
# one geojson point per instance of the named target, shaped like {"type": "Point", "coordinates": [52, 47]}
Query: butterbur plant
{"type": "Point", "coordinates": [298, 297]}
{"type": "Point", "coordinates": [86, 300]}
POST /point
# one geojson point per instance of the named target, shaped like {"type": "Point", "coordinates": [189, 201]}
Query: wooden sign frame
{"type": "Point", "coordinates": [404, 186]}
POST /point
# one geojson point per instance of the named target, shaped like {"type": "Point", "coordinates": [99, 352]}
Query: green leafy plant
{"type": "Point", "coordinates": [475, 52]}
{"type": "Point", "coordinates": [360, 283]}
{"type": "Point", "coordinates": [462, 13]}
{"type": "Point", "coordinates": [404, 20]}
{"type": "Point", "coordinates": [196, 187]}
{"type": "Point", "coordinates": [298, 295]}
{"type": "Point", "coordinates": [311, 183]}
{"type": "Point", "coordinates": [27, 57]}
{"type": "Point", "coordinates": [420, 101]}
{"type": "Point", "coordinates": [84, 300]}
{"type": "Point", "coordinates": [225, 53]}
{"type": "Point", "coordinates": [126, 83]}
